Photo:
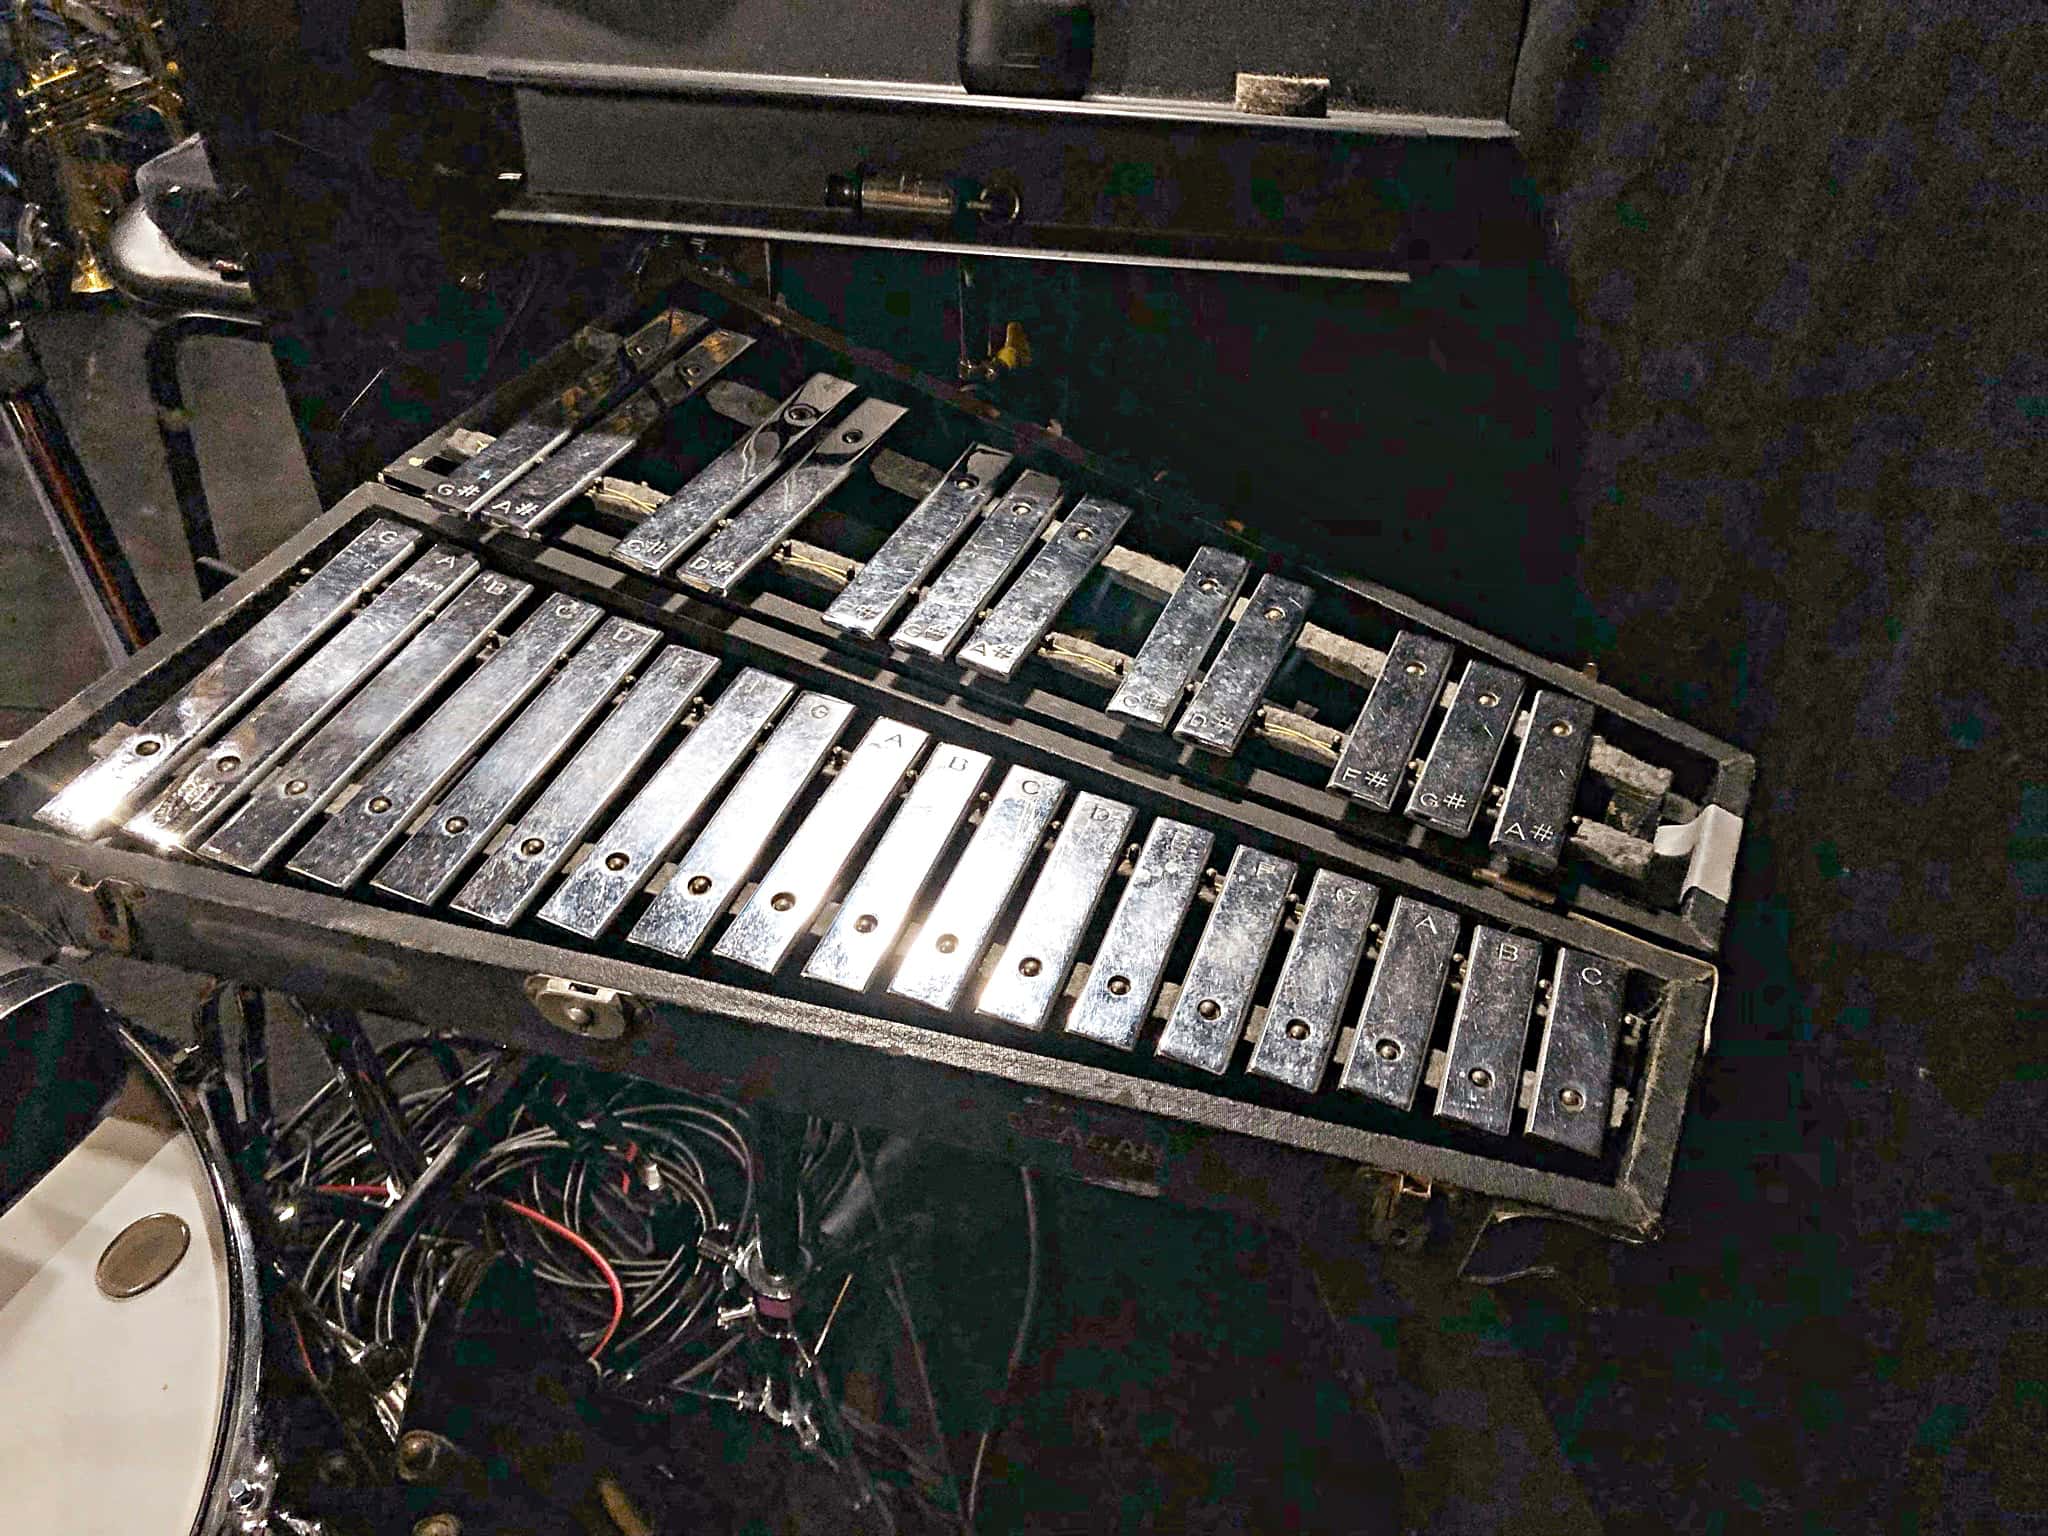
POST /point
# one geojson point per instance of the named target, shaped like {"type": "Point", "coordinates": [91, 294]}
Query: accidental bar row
{"type": "Point", "coordinates": [1218, 703]}
{"type": "Point", "coordinates": [992, 604]}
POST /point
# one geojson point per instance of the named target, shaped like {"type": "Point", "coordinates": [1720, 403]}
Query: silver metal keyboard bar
{"type": "Point", "coordinates": [287, 801]}
{"type": "Point", "coordinates": [1390, 1051]}
{"type": "Point", "coordinates": [1234, 687]}
{"type": "Point", "coordinates": [1575, 1062]}
{"type": "Point", "coordinates": [420, 767]}
{"type": "Point", "coordinates": [808, 870]}
{"type": "Point", "coordinates": [875, 910]}
{"type": "Point", "coordinates": [427, 866]}
{"type": "Point", "coordinates": [537, 496]}
{"type": "Point", "coordinates": [891, 575]}
{"type": "Point", "coordinates": [1124, 977]}
{"type": "Point", "coordinates": [520, 446]}
{"type": "Point", "coordinates": [1009, 529]}
{"type": "Point", "coordinates": [1216, 997]}
{"type": "Point", "coordinates": [1483, 1061]}
{"type": "Point", "coordinates": [1382, 743]}
{"type": "Point", "coordinates": [1452, 785]}
{"type": "Point", "coordinates": [731, 844]}
{"type": "Point", "coordinates": [941, 959]}
{"type": "Point", "coordinates": [1315, 980]}
{"type": "Point", "coordinates": [1157, 679]}
{"type": "Point", "coordinates": [553, 827]}
{"type": "Point", "coordinates": [1020, 621]}
{"type": "Point", "coordinates": [1040, 952]}
{"type": "Point", "coordinates": [758, 529]}
{"type": "Point", "coordinates": [109, 789]}
{"type": "Point", "coordinates": [673, 529]}
{"type": "Point", "coordinates": [633, 847]}
{"type": "Point", "coordinates": [1536, 811]}
{"type": "Point", "coordinates": [290, 712]}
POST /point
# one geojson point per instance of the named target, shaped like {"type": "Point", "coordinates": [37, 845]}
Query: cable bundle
{"type": "Point", "coordinates": [621, 1198]}
{"type": "Point", "coordinates": [605, 1188]}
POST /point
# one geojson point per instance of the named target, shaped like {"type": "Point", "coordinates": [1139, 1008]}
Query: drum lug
{"type": "Point", "coordinates": [586, 1011]}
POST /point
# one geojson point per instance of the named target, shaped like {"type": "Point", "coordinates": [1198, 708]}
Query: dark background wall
{"type": "Point", "coordinates": [1799, 240]}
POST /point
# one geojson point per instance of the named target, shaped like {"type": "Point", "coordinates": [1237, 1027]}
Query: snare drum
{"type": "Point", "coordinates": [129, 1316]}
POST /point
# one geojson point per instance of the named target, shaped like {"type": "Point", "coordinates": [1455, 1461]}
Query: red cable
{"type": "Point", "coordinates": [575, 1239]}
{"type": "Point", "coordinates": [305, 1355]}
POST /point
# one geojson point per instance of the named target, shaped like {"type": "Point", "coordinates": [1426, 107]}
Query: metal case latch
{"type": "Point", "coordinates": [586, 1011]}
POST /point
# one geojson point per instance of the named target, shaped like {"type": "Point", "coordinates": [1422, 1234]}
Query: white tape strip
{"type": "Point", "coordinates": [1711, 838]}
